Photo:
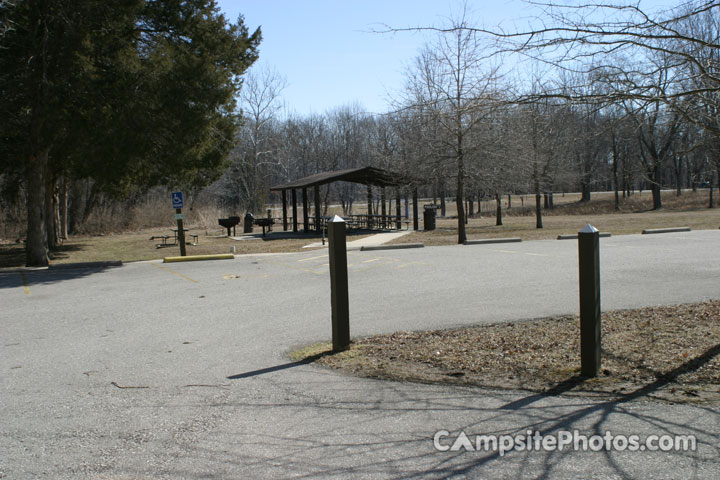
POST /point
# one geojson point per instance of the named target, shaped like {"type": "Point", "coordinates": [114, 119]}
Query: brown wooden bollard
{"type": "Point", "coordinates": [589, 261]}
{"type": "Point", "coordinates": [339, 284]}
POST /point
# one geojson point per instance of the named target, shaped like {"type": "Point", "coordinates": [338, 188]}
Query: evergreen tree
{"type": "Point", "coordinates": [130, 93]}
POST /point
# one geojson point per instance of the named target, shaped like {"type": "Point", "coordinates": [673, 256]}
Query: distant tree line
{"type": "Point", "coordinates": [616, 99]}
{"type": "Point", "coordinates": [604, 97]}
{"type": "Point", "coordinates": [625, 103]}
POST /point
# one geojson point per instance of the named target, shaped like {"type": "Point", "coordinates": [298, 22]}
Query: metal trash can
{"type": "Point", "coordinates": [248, 223]}
{"type": "Point", "coordinates": [429, 214]}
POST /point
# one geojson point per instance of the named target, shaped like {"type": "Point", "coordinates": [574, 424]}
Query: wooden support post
{"type": "Point", "coordinates": [306, 217]}
{"type": "Point", "coordinates": [416, 216]}
{"type": "Point", "coordinates": [294, 210]}
{"type": "Point", "coordinates": [316, 194]}
{"type": "Point", "coordinates": [369, 199]}
{"type": "Point", "coordinates": [383, 211]}
{"type": "Point", "coordinates": [398, 212]}
{"type": "Point", "coordinates": [284, 200]}
{"type": "Point", "coordinates": [339, 299]}
{"type": "Point", "coordinates": [589, 262]}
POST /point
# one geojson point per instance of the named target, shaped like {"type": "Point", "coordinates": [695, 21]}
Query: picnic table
{"type": "Point", "coordinates": [193, 235]}
{"type": "Point", "coordinates": [372, 221]}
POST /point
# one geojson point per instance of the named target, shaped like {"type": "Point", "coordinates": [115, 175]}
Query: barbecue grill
{"type": "Point", "coordinates": [265, 222]}
{"type": "Point", "coordinates": [229, 223]}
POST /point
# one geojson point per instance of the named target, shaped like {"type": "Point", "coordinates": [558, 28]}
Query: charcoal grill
{"type": "Point", "coordinates": [265, 222]}
{"type": "Point", "coordinates": [229, 223]}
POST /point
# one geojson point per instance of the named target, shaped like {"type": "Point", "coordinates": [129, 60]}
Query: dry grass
{"type": "Point", "coordinates": [668, 353]}
{"type": "Point", "coordinates": [602, 203]}
{"type": "Point", "coordinates": [568, 217]}
{"type": "Point", "coordinates": [137, 246]}
{"type": "Point", "coordinates": [554, 225]}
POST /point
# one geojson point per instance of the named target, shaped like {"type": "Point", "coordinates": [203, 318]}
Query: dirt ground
{"type": "Point", "coordinates": [667, 353]}
{"type": "Point", "coordinates": [136, 246]}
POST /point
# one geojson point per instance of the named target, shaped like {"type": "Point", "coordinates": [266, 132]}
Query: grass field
{"type": "Point", "coordinates": [524, 227]}
{"type": "Point", "coordinates": [569, 216]}
{"type": "Point", "coordinates": [136, 246]}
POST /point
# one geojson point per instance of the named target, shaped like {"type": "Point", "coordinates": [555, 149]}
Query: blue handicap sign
{"type": "Point", "coordinates": [177, 200]}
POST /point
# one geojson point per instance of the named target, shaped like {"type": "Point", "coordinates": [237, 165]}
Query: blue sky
{"type": "Point", "coordinates": [328, 54]}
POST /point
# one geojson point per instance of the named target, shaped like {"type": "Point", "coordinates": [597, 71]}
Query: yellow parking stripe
{"type": "Point", "coordinates": [312, 258]}
{"type": "Point", "coordinates": [404, 265]}
{"type": "Point", "coordinates": [371, 260]}
{"type": "Point", "coordinates": [174, 273]}
{"type": "Point", "coordinates": [25, 283]}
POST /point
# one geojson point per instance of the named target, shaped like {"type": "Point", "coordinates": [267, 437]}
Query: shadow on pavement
{"type": "Point", "coordinates": [278, 368]}
{"type": "Point", "coordinates": [54, 274]}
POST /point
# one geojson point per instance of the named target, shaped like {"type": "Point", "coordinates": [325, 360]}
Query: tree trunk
{"type": "Point", "coordinates": [656, 196]}
{"type": "Point", "coordinates": [538, 209]}
{"type": "Point", "coordinates": [678, 175]}
{"type": "Point", "coordinates": [326, 200]}
{"type": "Point", "coordinates": [585, 191]}
{"type": "Point", "coordinates": [51, 208]}
{"type": "Point", "coordinates": [36, 249]}
{"type": "Point", "coordinates": [90, 203]}
{"type": "Point", "coordinates": [56, 215]}
{"type": "Point", "coordinates": [498, 209]}
{"type": "Point", "coordinates": [655, 188]}
{"type": "Point", "coordinates": [711, 201]}
{"type": "Point", "coordinates": [460, 201]}
{"type": "Point", "coordinates": [64, 209]}
{"type": "Point", "coordinates": [615, 183]}
{"type": "Point", "coordinates": [509, 200]}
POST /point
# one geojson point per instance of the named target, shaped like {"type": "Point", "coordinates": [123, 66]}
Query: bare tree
{"type": "Point", "coordinates": [255, 158]}
{"type": "Point", "coordinates": [453, 87]}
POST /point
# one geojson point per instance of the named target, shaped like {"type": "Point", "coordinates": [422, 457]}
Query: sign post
{"type": "Point", "coordinates": [339, 284]}
{"type": "Point", "coordinates": [177, 204]}
{"type": "Point", "coordinates": [589, 261]}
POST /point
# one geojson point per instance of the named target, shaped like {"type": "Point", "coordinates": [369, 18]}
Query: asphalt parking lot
{"type": "Point", "coordinates": [155, 370]}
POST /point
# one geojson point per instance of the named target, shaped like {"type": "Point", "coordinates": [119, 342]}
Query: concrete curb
{"type": "Point", "coordinates": [66, 266]}
{"type": "Point", "coordinates": [22, 269]}
{"type": "Point", "coordinates": [665, 230]}
{"type": "Point", "coordinates": [574, 236]}
{"type": "Point", "coordinates": [392, 247]}
{"type": "Point", "coordinates": [195, 258]}
{"type": "Point", "coordinates": [486, 241]}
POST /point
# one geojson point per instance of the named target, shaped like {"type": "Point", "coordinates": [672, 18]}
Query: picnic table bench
{"type": "Point", "coordinates": [165, 239]}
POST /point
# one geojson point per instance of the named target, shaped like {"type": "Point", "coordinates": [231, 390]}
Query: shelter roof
{"type": "Point", "coordinates": [364, 175]}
